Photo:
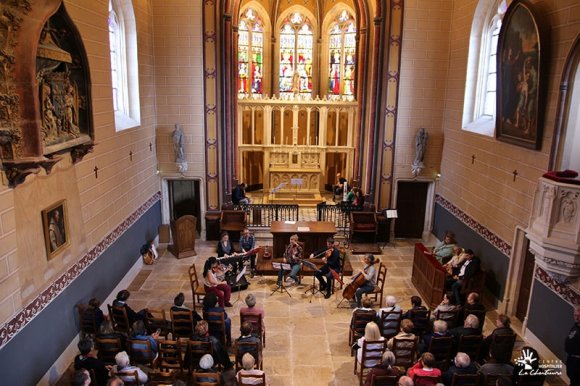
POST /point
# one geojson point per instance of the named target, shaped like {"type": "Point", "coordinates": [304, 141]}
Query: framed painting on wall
{"type": "Point", "coordinates": [521, 57]}
{"type": "Point", "coordinates": [55, 227]}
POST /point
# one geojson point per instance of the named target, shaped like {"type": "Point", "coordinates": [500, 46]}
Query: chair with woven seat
{"type": "Point", "coordinates": [360, 319]}
{"type": "Point", "coordinates": [502, 346]}
{"type": "Point", "coordinates": [240, 348]}
{"type": "Point", "coordinates": [465, 379]}
{"type": "Point", "coordinates": [371, 354]}
{"type": "Point", "coordinates": [197, 290]}
{"type": "Point", "coordinates": [258, 328]}
{"type": "Point", "coordinates": [217, 325]}
{"type": "Point", "coordinates": [195, 350]}
{"type": "Point", "coordinates": [206, 379]}
{"type": "Point", "coordinates": [471, 345]}
{"type": "Point", "coordinates": [363, 223]}
{"type": "Point", "coordinates": [390, 323]}
{"type": "Point", "coordinates": [182, 324]}
{"type": "Point", "coordinates": [442, 349]}
{"type": "Point", "coordinates": [377, 293]}
{"type": "Point", "coordinates": [405, 350]}
{"type": "Point", "coordinates": [140, 352]}
{"type": "Point", "coordinates": [120, 319]}
{"type": "Point", "coordinates": [384, 380]}
{"type": "Point", "coordinates": [251, 379]}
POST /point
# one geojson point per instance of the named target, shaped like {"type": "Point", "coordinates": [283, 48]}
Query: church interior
{"type": "Point", "coordinates": [120, 118]}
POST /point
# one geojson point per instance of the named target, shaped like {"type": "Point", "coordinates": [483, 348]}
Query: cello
{"type": "Point", "coordinates": [357, 281]}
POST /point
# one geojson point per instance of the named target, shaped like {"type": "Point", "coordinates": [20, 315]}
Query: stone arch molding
{"type": "Point", "coordinates": [45, 98]}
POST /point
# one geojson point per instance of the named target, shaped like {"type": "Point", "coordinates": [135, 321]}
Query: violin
{"type": "Point", "coordinates": [326, 253]}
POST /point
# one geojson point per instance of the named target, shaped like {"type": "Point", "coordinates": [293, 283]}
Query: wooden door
{"type": "Point", "coordinates": [526, 283]}
{"type": "Point", "coordinates": [411, 207]}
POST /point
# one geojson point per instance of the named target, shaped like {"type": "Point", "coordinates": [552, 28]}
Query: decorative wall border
{"type": "Point", "coordinates": [563, 290]}
{"type": "Point", "coordinates": [21, 320]}
{"type": "Point", "coordinates": [484, 232]}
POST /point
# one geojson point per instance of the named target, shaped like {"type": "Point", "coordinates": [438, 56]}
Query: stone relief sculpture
{"type": "Point", "coordinates": [568, 207]}
{"type": "Point", "coordinates": [420, 147]}
{"type": "Point", "coordinates": [178, 148]}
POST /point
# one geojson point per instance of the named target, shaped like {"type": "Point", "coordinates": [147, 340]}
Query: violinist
{"type": "Point", "coordinates": [212, 272]}
{"type": "Point", "coordinates": [369, 272]}
{"type": "Point", "coordinates": [332, 263]}
{"type": "Point", "coordinates": [292, 256]}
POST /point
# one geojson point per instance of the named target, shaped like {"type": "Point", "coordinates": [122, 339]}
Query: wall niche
{"type": "Point", "coordinates": [45, 98]}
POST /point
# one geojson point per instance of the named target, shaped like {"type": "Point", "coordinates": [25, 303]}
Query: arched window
{"type": "Point", "coordinates": [123, 49]}
{"type": "Point", "coordinates": [480, 92]}
{"type": "Point", "coordinates": [250, 54]}
{"type": "Point", "coordinates": [296, 44]}
{"type": "Point", "coordinates": [342, 51]}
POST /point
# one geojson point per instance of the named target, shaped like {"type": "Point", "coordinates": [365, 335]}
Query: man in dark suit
{"type": "Point", "coordinates": [471, 267]}
{"type": "Point", "coordinates": [470, 327]}
{"type": "Point", "coordinates": [461, 365]}
{"type": "Point", "coordinates": [439, 330]}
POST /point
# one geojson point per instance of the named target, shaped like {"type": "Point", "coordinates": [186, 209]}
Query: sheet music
{"type": "Point", "coordinates": [241, 274]}
{"type": "Point", "coordinates": [391, 213]}
{"type": "Point", "coordinates": [290, 222]}
{"type": "Point", "coordinates": [276, 265]}
{"type": "Point", "coordinates": [303, 229]}
{"type": "Point", "coordinates": [310, 265]}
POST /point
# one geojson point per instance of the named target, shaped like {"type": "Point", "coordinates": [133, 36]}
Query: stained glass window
{"type": "Point", "coordinates": [250, 54]}
{"type": "Point", "coordinates": [342, 56]}
{"type": "Point", "coordinates": [296, 44]}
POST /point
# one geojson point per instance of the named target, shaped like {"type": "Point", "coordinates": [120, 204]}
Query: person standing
{"type": "Point", "coordinates": [572, 347]}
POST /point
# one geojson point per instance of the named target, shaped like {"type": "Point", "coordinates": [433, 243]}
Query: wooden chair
{"type": "Point", "coordinates": [159, 378]}
{"type": "Point", "coordinates": [206, 379]}
{"type": "Point", "coordinates": [217, 325]}
{"type": "Point", "coordinates": [442, 349]}
{"type": "Point", "coordinates": [252, 379]}
{"type": "Point", "coordinates": [384, 380]}
{"type": "Point", "coordinates": [182, 324]}
{"type": "Point", "coordinates": [169, 356]}
{"type": "Point", "coordinates": [449, 316]}
{"type": "Point", "coordinates": [377, 294]}
{"type": "Point", "coordinates": [155, 320]}
{"type": "Point", "coordinates": [258, 328]}
{"type": "Point", "coordinates": [405, 350]}
{"type": "Point", "coordinates": [87, 320]}
{"type": "Point", "coordinates": [421, 321]}
{"type": "Point", "coordinates": [502, 346]}
{"type": "Point", "coordinates": [476, 283]}
{"type": "Point", "coordinates": [120, 319]}
{"type": "Point", "coordinates": [233, 221]}
{"type": "Point", "coordinates": [371, 351]}
{"type": "Point", "coordinates": [240, 348]}
{"type": "Point", "coordinates": [531, 380]}
{"type": "Point", "coordinates": [363, 222]}
{"type": "Point", "coordinates": [480, 316]}
{"type": "Point", "coordinates": [129, 377]}
{"type": "Point", "coordinates": [490, 379]}
{"type": "Point", "coordinates": [390, 323]}
{"type": "Point", "coordinates": [465, 380]}
{"type": "Point", "coordinates": [360, 319]}
{"type": "Point", "coordinates": [140, 352]}
{"type": "Point", "coordinates": [195, 350]}
{"type": "Point", "coordinates": [420, 380]}
{"type": "Point", "coordinates": [108, 348]}
{"type": "Point", "coordinates": [197, 290]}
{"type": "Point", "coordinates": [471, 345]}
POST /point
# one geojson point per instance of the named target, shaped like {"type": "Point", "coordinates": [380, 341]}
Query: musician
{"type": "Point", "coordinates": [225, 247]}
{"type": "Point", "coordinates": [212, 284]}
{"type": "Point", "coordinates": [332, 262]}
{"type": "Point", "coordinates": [247, 243]}
{"type": "Point", "coordinates": [292, 256]}
{"type": "Point", "coordinates": [369, 273]}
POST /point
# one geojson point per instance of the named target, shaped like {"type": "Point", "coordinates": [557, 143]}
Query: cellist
{"type": "Point", "coordinates": [332, 262]}
{"type": "Point", "coordinates": [369, 272]}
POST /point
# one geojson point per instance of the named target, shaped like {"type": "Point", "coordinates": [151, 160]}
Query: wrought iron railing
{"type": "Point", "coordinates": [338, 214]}
{"type": "Point", "coordinates": [262, 215]}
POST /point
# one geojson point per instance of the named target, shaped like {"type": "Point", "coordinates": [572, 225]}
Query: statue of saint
{"type": "Point", "coordinates": [420, 147]}
{"type": "Point", "coordinates": [178, 148]}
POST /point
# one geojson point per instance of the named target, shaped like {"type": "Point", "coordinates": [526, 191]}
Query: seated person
{"type": "Point", "coordinates": [201, 334]}
{"type": "Point", "coordinates": [85, 360]}
{"type": "Point", "coordinates": [367, 305]}
{"type": "Point", "coordinates": [214, 282]}
{"type": "Point", "coordinates": [384, 368]}
{"type": "Point", "coordinates": [248, 363]}
{"type": "Point", "coordinates": [122, 360]}
{"type": "Point", "coordinates": [359, 198]}
{"type": "Point", "coordinates": [239, 195]}
{"type": "Point", "coordinates": [94, 309]}
{"type": "Point", "coordinates": [339, 187]}
{"type": "Point", "coordinates": [502, 327]}
{"type": "Point", "coordinates": [247, 243]}
{"type": "Point", "coordinates": [461, 365]}
{"type": "Point", "coordinates": [81, 377]}
{"type": "Point", "coordinates": [372, 334]}
{"type": "Point", "coordinates": [225, 248]}
{"type": "Point", "coordinates": [178, 306]}
{"type": "Point", "coordinates": [405, 333]}
{"type": "Point", "coordinates": [206, 365]}
{"type": "Point", "coordinates": [420, 322]}
{"type": "Point", "coordinates": [454, 265]}
{"type": "Point", "coordinates": [470, 268]}
{"type": "Point", "coordinates": [108, 332]}
{"type": "Point", "coordinates": [292, 256]}
{"type": "Point", "coordinates": [424, 367]}
{"type": "Point", "coordinates": [416, 305]}
{"type": "Point", "coordinates": [350, 195]}
{"type": "Point", "coordinates": [210, 304]}
{"type": "Point", "coordinates": [443, 250]}
{"type": "Point", "coordinates": [332, 262]}
{"type": "Point", "coordinates": [493, 367]}
{"type": "Point", "coordinates": [391, 324]}
{"type": "Point", "coordinates": [405, 381]}
{"type": "Point", "coordinates": [439, 330]}
{"type": "Point", "coordinates": [446, 305]}
{"type": "Point", "coordinates": [470, 327]}
{"type": "Point", "coordinates": [121, 301]}
{"type": "Point", "coordinates": [247, 337]}
{"type": "Point", "coordinates": [140, 333]}
{"type": "Point", "coordinates": [369, 272]}
{"type": "Point", "coordinates": [251, 309]}
{"type": "Point", "coordinates": [472, 303]}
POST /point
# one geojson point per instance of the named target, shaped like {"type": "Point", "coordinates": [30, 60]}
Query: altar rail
{"type": "Point", "coordinates": [261, 215]}
{"type": "Point", "coordinates": [337, 214]}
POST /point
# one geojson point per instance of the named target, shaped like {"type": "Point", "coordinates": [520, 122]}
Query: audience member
{"type": "Point", "coordinates": [454, 265]}
{"type": "Point", "coordinates": [384, 368]}
{"type": "Point", "coordinates": [210, 304]}
{"type": "Point", "coordinates": [416, 305]}
{"type": "Point", "coordinates": [108, 332]}
{"type": "Point", "coordinates": [470, 327]}
{"type": "Point", "coordinates": [461, 365]}
{"type": "Point", "coordinates": [572, 347]}
{"type": "Point", "coordinates": [247, 243]}
{"type": "Point", "coordinates": [201, 334]}
{"type": "Point", "coordinates": [121, 301]}
{"type": "Point", "coordinates": [439, 330]}
{"type": "Point", "coordinates": [406, 340]}
{"type": "Point", "coordinates": [359, 198]}
{"type": "Point", "coordinates": [470, 268]}
{"type": "Point", "coordinates": [405, 381]}
{"type": "Point", "coordinates": [248, 363]}
{"type": "Point", "coordinates": [447, 305]}
{"type": "Point", "coordinates": [369, 272]}
{"type": "Point", "coordinates": [206, 365]}
{"type": "Point", "coordinates": [367, 305]}
{"type": "Point", "coordinates": [94, 311]}
{"type": "Point", "coordinates": [225, 248]}
{"type": "Point", "coordinates": [406, 332]}
{"type": "Point", "coordinates": [391, 324]}
{"type": "Point", "coordinates": [81, 378]}
{"type": "Point", "coordinates": [418, 316]}
{"type": "Point", "coordinates": [251, 309]}
{"type": "Point", "coordinates": [443, 250]}
{"type": "Point", "coordinates": [247, 337]}
{"type": "Point", "coordinates": [85, 360]}
{"type": "Point", "coordinates": [424, 367]}
{"type": "Point", "coordinates": [472, 304]}
{"type": "Point", "coordinates": [122, 360]}
{"type": "Point", "coordinates": [493, 367]}
{"type": "Point", "coordinates": [115, 381]}
{"type": "Point", "coordinates": [214, 283]}
{"type": "Point", "coordinates": [140, 333]}
{"type": "Point", "coordinates": [502, 324]}
{"type": "Point", "coordinates": [178, 306]}
{"type": "Point", "coordinates": [372, 334]}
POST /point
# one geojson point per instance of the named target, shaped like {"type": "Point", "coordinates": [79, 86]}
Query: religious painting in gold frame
{"type": "Point", "coordinates": [55, 228]}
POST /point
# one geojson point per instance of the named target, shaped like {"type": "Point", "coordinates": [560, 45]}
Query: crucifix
{"type": "Point", "coordinates": [473, 159]}
{"type": "Point", "coordinates": [96, 170]}
{"type": "Point", "coordinates": [515, 173]}
{"type": "Point", "coordinates": [131, 155]}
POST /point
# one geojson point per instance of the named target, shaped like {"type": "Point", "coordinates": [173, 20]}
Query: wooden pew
{"type": "Point", "coordinates": [428, 276]}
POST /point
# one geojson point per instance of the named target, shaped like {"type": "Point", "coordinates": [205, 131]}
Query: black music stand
{"type": "Point", "coordinates": [313, 290]}
{"type": "Point", "coordinates": [280, 287]}
{"type": "Point", "coordinates": [238, 284]}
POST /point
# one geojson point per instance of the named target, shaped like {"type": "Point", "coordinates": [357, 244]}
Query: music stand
{"type": "Point", "coordinates": [280, 287]}
{"type": "Point", "coordinates": [313, 290]}
{"type": "Point", "coordinates": [238, 285]}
